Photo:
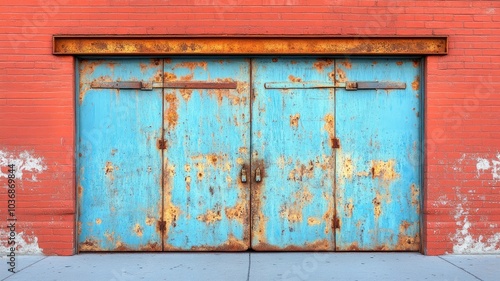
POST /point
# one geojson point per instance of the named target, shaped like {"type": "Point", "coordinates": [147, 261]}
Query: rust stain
{"type": "Point", "coordinates": [329, 127]}
{"type": "Point", "coordinates": [151, 247]}
{"type": "Point", "coordinates": [341, 75]}
{"type": "Point", "coordinates": [377, 209]}
{"type": "Point", "coordinates": [108, 170]}
{"type": "Point", "coordinates": [294, 79]}
{"type": "Point", "coordinates": [168, 77]}
{"type": "Point", "coordinates": [415, 197]}
{"type": "Point", "coordinates": [238, 212]}
{"type": "Point", "coordinates": [313, 221]}
{"type": "Point", "coordinates": [231, 245]}
{"type": "Point", "coordinates": [150, 221]}
{"type": "Point", "coordinates": [192, 65]}
{"type": "Point", "coordinates": [399, 63]}
{"type": "Point", "coordinates": [144, 67]}
{"type": "Point", "coordinates": [138, 230]}
{"type": "Point", "coordinates": [294, 120]}
{"type": "Point", "coordinates": [187, 77]}
{"type": "Point", "coordinates": [293, 211]}
{"type": "Point", "coordinates": [329, 214]}
{"type": "Point", "coordinates": [188, 183]}
{"type": "Point", "coordinates": [347, 168]}
{"type": "Point", "coordinates": [349, 207]}
{"type": "Point", "coordinates": [320, 245]}
{"type": "Point", "coordinates": [80, 190]}
{"type": "Point", "coordinates": [109, 236]}
{"type": "Point", "coordinates": [354, 247]}
{"type": "Point", "coordinates": [85, 85]}
{"type": "Point", "coordinates": [171, 212]}
{"type": "Point", "coordinates": [172, 115]}
{"type": "Point", "coordinates": [79, 227]}
{"type": "Point", "coordinates": [186, 93]}
{"type": "Point", "coordinates": [89, 245]}
{"type": "Point", "coordinates": [384, 170]}
{"type": "Point", "coordinates": [406, 242]}
{"type": "Point", "coordinates": [259, 220]}
{"type": "Point", "coordinates": [98, 221]}
{"type": "Point", "coordinates": [301, 171]}
{"type": "Point", "coordinates": [416, 63]}
{"type": "Point", "coordinates": [210, 217]}
{"type": "Point", "coordinates": [321, 64]}
{"type": "Point", "coordinates": [243, 150]}
{"type": "Point", "coordinates": [237, 97]}
{"type": "Point", "coordinates": [415, 85]}
{"type": "Point", "coordinates": [347, 64]}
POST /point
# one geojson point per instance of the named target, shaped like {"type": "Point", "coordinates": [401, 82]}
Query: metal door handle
{"type": "Point", "coordinates": [257, 175]}
{"type": "Point", "coordinates": [243, 175]}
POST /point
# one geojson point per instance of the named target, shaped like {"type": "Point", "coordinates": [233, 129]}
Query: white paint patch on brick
{"type": "Point", "coordinates": [482, 165]}
{"type": "Point", "coordinates": [465, 242]}
{"type": "Point", "coordinates": [25, 244]}
{"type": "Point", "coordinates": [491, 166]}
{"type": "Point", "coordinates": [24, 162]}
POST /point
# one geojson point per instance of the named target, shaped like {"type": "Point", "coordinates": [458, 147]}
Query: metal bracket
{"type": "Point", "coordinates": [162, 225]}
{"type": "Point", "coordinates": [161, 144]}
{"type": "Point", "coordinates": [335, 143]}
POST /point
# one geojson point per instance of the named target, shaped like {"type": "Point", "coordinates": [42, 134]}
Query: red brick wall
{"type": "Point", "coordinates": [462, 170]}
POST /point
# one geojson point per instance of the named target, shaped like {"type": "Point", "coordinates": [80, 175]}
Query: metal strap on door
{"type": "Point", "coordinates": [351, 85]}
{"type": "Point", "coordinates": [148, 86]}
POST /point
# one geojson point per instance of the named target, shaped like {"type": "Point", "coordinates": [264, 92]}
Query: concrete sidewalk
{"type": "Point", "coordinates": [254, 266]}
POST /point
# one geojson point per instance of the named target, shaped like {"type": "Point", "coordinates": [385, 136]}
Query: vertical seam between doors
{"type": "Point", "coordinates": [163, 232]}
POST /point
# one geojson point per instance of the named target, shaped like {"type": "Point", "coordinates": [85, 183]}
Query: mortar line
{"type": "Point", "coordinates": [460, 268]}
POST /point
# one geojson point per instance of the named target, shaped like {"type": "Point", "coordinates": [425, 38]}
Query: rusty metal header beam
{"type": "Point", "coordinates": [246, 45]}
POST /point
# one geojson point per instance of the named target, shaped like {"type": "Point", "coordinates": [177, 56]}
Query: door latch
{"type": "Point", "coordinates": [257, 175]}
{"type": "Point", "coordinates": [243, 175]}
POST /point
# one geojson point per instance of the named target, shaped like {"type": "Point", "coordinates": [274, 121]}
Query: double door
{"type": "Point", "coordinates": [228, 154]}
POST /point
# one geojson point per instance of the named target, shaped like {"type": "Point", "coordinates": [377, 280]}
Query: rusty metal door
{"type": "Point", "coordinates": [207, 152]}
{"type": "Point", "coordinates": [169, 151]}
{"type": "Point", "coordinates": [292, 154]}
{"type": "Point", "coordinates": [335, 154]}
{"type": "Point", "coordinates": [378, 162]}
{"type": "Point", "coordinates": [119, 164]}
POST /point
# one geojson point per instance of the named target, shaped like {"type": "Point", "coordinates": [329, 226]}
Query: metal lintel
{"type": "Point", "coordinates": [245, 45]}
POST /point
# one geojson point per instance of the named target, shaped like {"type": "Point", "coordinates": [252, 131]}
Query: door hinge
{"type": "Point", "coordinates": [336, 222]}
{"type": "Point", "coordinates": [335, 143]}
{"type": "Point", "coordinates": [162, 225]}
{"type": "Point", "coordinates": [161, 144]}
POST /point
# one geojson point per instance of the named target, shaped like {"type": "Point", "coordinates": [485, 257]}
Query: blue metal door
{"type": "Point", "coordinates": [378, 163]}
{"type": "Point", "coordinates": [293, 159]}
{"type": "Point", "coordinates": [119, 165]}
{"type": "Point", "coordinates": [207, 154]}
{"type": "Point", "coordinates": [172, 153]}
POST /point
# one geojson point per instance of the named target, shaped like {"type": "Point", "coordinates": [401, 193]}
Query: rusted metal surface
{"type": "Point", "coordinates": [254, 45]}
{"type": "Point", "coordinates": [207, 129]}
{"type": "Point", "coordinates": [173, 168]}
{"type": "Point", "coordinates": [348, 85]}
{"type": "Point", "coordinates": [378, 167]}
{"type": "Point", "coordinates": [119, 165]}
{"type": "Point", "coordinates": [292, 129]}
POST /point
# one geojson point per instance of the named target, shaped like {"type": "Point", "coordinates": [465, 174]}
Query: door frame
{"type": "Point", "coordinates": [107, 46]}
